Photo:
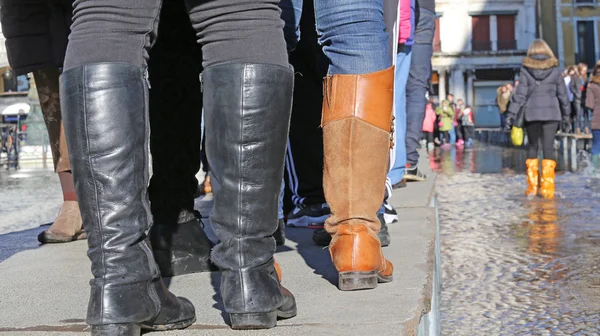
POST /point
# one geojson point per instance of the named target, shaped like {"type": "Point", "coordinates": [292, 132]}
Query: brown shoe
{"type": "Point", "coordinates": [532, 177]}
{"type": "Point", "coordinates": [357, 133]}
{"type": "Point", "coordinates": [67, 226]}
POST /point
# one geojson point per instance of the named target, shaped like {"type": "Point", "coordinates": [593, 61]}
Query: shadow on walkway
{"type": "Point", "coordinates": [316, 257]}
{"type": "Point", "coordinates": [14, 242]}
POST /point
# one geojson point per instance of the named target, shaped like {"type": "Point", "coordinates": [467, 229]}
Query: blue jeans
{"type": "Point", "coordinates": [452, 133]}
{"type": "Point", "coordinates": [417, 84]}
{"type": "Point", "coordinates": [398, 162]}
{"type": "Point", "coordinates": [596, 142]}
{"type": "Point", "coordinates": [352, 33]}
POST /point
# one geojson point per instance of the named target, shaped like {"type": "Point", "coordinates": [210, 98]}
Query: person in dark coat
{"type": "Point", "coordinates": [542, 96]}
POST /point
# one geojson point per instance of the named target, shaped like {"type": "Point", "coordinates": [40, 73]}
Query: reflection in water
{"type": "Point", "coordinates": [513, 265]}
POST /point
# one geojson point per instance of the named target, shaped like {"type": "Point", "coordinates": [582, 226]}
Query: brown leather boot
{"type": "Point", "coordinates": [533, 176]}
{"type": "Point", "coordinates": [67, 227]}
{"type": "Point", "coordinates": [357, 126]}
{"type": "Point", "coordinates": [547, 185]}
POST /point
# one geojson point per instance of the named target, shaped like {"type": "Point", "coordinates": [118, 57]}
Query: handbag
{"type": "Point", "coordinates": [516, 133]}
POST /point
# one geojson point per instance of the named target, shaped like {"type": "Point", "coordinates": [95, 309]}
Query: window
{"type": "Point", "coordinates": [585, 2]}
{"type": "Point", "coordinates": [586, 43]}
{"type": "Point", "coordinates": [506, 32]}
{"type": "Point", "coordinates": [481, 33]}
{"type": "Point", "coordinates": [493, 32]}
{"type": "Point", "coordinates": [437, 42]}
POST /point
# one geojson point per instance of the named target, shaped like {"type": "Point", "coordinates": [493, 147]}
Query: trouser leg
{"type": "Point", "coordinates": [534, 135]}
{"type": "Point", "coordinates": [549, 130]}
{"type": "Point", "coordinates": [417, 83]}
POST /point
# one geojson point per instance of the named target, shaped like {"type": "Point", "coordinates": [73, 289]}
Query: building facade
{"type": "Point", "coordinates": [478, 46]}
{"type": "Point", "coordinates": [572, 28]}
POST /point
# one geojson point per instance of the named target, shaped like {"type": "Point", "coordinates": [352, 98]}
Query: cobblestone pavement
{"type": "Point", "coordinates": [513, 265]}
{"type": "Point", "coordinates": [28, 198]}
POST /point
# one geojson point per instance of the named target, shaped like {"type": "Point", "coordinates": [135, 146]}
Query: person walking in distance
{"type": "Point", "coordinates": [542, 97]}
{"type": "Point", "coordinates": [247, 91]}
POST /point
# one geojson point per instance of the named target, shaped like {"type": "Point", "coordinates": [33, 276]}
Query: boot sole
{"type": "Point", "coordinates": [350, 281]}
{"type": "Point", "coordinates": [50, 238]}
{"type": "Point", "coordinates": [253, 321]}
{"type": "Point", "coordinates": [181, 266]}
{"type": "Point", "coordinates": [171, 326]}
{"type": "Point", "coordinates": [117, 330]}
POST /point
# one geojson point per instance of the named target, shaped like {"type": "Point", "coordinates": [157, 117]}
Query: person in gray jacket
{"type": "Point", "coordinates": [542, 97]}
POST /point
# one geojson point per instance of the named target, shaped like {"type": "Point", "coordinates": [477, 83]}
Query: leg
{"type": "Point", "coordinates": [247, 100]}
{"type": "Point", "coordinates": [291, 14]}
{"type": "Point", "coordinates": [68, 225]}
{"type": "Point", "coordinates": [417, 84]}
{"type": "Point", "coordinates": [398, 161]}
{"type": "Point", "coordinates": [179, 244]}
{"type": "Point", "coordinates": [534, 133]}
{"type": "Point", "coordinates": [304, 161]}
{"type": "Point", "coordinates": [549, 130]}
{"type": "Point", "coordinates": [104, 94]}
{"type": "Point", "coordinates": [357, 122]}
{"type": "Point", "coordinates": [577, 117]}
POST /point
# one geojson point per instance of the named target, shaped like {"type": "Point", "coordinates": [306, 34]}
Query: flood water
{"type": "Point", "coordinates": [513, 265]}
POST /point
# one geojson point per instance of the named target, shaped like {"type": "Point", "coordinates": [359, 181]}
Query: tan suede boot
{"type": "Point", "coordinates": [357, 126]}
{"type": "Point", "coordinates": [67, 227]}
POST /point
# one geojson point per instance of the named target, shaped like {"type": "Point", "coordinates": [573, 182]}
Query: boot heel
{"type": "Point", "coordinates": [117, 330]}
{"type": "Point", "coordinates": [349, 281]}
{"type": "Point", "coordinates": [253, 320]}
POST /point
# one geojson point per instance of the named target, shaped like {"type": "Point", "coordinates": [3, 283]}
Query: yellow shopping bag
{"type": "Point", "coordinates": [516, 135]}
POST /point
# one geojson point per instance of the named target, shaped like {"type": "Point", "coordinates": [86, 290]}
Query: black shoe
{"type": "Point", "coordinates": [383, 234]}
{"type": "Point", "coordinates": [105, 115]}
{"type": "Point", "coordinates": [413, 174]}
{"type": "Point", "coordinates": [181, 248]}
{"type": "Point", "coordinates": [390, 215]}
{"type": "Point", "coordinates": [279, 235]}
{"type": "Point", "coordinates": [309, 216]}
{"type": "Point", "coordinates": [401, 184]}
{"type": "Point", "coordinates": [250, 106]}
{"type": "Point", "coordinates": [323, 238]}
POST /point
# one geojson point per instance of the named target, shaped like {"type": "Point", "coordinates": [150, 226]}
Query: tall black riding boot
{"type": "Point", "coordinates": [247, 114]}
{"type": "Point", "coordinates": [106, 123]}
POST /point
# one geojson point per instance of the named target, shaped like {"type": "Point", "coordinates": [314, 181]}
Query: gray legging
{"type": "Point", "coordinates": [230, 31]}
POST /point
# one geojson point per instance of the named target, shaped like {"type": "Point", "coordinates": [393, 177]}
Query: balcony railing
{"type": "Point", "coordinates": [481, 45]}
{"type": "Point", "coordinates": [507, 45]}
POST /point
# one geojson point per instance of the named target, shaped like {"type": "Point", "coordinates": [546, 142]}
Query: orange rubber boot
{"type": "Point", "coordinates": [548, 177]}
{"type": "Point", "coordinates": [357, 126]}
{"type": "Point", "coordinates": [533, 175]}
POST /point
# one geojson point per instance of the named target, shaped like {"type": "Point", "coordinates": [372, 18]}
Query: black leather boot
{"type": "Point", "coordinates": [181, 246]}
{"type": "Point", "coordinates": [247, 114]}
{"type": "Point", "coordinates": [106, 122]}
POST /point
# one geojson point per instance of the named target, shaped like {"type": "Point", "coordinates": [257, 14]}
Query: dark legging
{"type": "Point", "coordinates": [544, 132]}
{"type": "Point", "coordinates": [230, 31]}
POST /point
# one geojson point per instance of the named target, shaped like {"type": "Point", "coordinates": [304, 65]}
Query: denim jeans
{"type": "Point", "coordinates": [596, 142]}
{"type": "Point", "coordinates": [452, 133]}
{"type": "Point", "coordinates": [417, 83]}
{"type": "Point", "coordinates": [398, 161]}
{"type": "Point", "coordinates": [352, 33]}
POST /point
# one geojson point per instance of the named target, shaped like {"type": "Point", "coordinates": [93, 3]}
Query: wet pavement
{"type": "Point", "coordinates": [28, 198]}
{"type": "Point", "coordinates": [513, 265]}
